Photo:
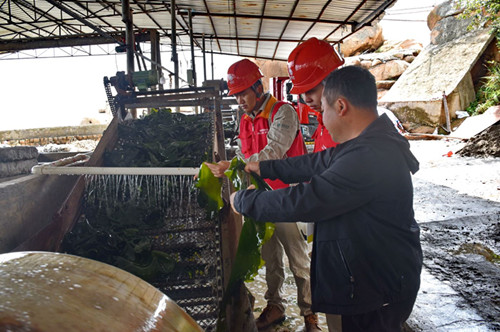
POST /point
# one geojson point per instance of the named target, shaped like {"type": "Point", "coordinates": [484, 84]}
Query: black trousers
{"type": "Point", "coordinates": [389, 318]}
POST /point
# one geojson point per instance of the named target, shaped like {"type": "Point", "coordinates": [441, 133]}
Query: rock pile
{"type": "Point", "coordinates": [386, 60]}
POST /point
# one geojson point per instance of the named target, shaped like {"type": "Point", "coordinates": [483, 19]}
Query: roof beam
{"type": "Point", "coordinates": [84, 21]}
{"type": "Point", "coordinates": [358, 7]}
{"type": "Point", "coordinates": [46, 14]}
{"type": "Point", "coordinates": [284, 28]}
{"type": "Point", "coordinates": [279, 18]}
{"type": "Point", "coordinates": [150, 17]}
{"type": "Point", "coordinates": [24, 22]}
{"type": "Point", "coordinates": [199, 35]}
{"type": "Point", "coordinates": [13, 31]}
{"type": "Point", "coordinates": [186, 26]}
{"type": "Point", "coordinates": [260, 26]}
{"type": "Point", "coordinates": [236, 29]}
{"type": "Point", "coordinates": [318, 17]}
{"type": "Point", "coordinates": [105, 4]}
{"type": "Point", "coordinates": [373, 15]}
{"type": "Point", "coordinates": [210, 15]}
{"type": "Point", "coordinates": [94, 15]}
{"type": "Point", "coordinates": [71, 41]}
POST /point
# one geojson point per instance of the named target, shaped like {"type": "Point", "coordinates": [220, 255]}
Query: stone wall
{"type": "Point", "coordinates": [52, 135]}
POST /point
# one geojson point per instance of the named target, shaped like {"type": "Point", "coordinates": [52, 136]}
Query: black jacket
{"type": "Point", "coordinates": [366, 249]}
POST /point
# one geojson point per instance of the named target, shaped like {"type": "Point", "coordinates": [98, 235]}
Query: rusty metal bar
{"type": "Point", "coordinates": [210, 15]}
{"type": "Point", "coordinates": [284, 28]}
{"type": "Point", "coordinates": [260, 26]}
{"type": "Point", "coordinates": [318, 17]}
{"type": "Point", "coordinates": [236, 29]}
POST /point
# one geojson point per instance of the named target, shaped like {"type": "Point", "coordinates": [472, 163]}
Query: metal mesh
{"type": "Point", "coordinates": [196, 282]}
{"type": "Point", "coordinates": [181, 228]}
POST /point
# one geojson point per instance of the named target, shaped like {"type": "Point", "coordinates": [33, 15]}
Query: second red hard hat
{"type": "Point", "coordinates": [309, 64]}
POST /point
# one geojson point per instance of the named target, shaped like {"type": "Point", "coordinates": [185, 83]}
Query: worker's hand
{"type": "Point", "coordinates": [231, 200]}
{"type": "Point", "coordinates": [253, 166]}
{"type": "Point", "coordinates": [219, 168]}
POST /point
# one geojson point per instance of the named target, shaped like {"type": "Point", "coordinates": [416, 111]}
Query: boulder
{"type": "Point", "coordinates": [422, 130]}
{"type": "Point", "coordinates": [448, 29]}
{"type": "Point", "coordinates": [367, 64]}
{"type": "Point", "coordinates": [442, 10]}
{"type": "Point", "coordinates": [385, 84]}
{"type": "Point", "coordinates": [271, 69]}
{"type": "Point", "coordinates": [367, 39]}
{"type": "Point", "coordinates": [381, 93]}
{"type": "Point", "coordinates": [353, 61]}
{"type": "Point", "coordinates": [389, 70]}
{"type": "Point", "coordinates": [391, 45]}
{"type": "Point", "coordinates": [409, 58]}
{"type": "Point", "coordinates": [417, 96]}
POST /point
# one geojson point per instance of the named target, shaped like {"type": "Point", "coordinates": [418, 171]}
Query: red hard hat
{"type": "Point", "coordinates": [242, 75]}
{"type": "Point", "coordinates": [309, 64]}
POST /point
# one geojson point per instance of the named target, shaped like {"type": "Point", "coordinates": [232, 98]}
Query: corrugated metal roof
{"type": "Point", "coordinates": [267, 29]}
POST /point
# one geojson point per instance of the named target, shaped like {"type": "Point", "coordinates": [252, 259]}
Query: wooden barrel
{"type": "Point", "coordinates": [47, 291]}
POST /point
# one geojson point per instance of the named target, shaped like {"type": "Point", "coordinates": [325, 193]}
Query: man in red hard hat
{"type": "Point", "coordinates": [268, 130]}
{"type": "Point", "coordinates": [308, 65]}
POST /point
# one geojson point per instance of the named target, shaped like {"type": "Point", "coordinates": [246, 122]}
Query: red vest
{"type": "Point", "coordinates": [303, 110]}
{"type": "Point", "coordinates": [253, 135]}
{"type": "Point", "coordinates": [322, 138]}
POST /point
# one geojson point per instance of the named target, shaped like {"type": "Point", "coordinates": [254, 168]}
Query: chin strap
{"type": "Point", "coordinates": [258, 100]}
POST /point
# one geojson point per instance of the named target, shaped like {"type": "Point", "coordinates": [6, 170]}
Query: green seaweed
{"type": "Point", "coordinates": [253, 234]}
{"type": "Point", "coordinates": [115, 228]}
{"type": "Point", "coordinates": [210, 191]}
{"type": "Point", "coordinates": [115, 235]}
{"type": "Point", "coordinates": [162, 139]}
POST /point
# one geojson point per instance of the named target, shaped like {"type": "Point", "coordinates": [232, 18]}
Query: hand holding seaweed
{"type": "Point", "coordinates": [253, 234]}
{"type": "Point", "coordinates": [210, 191]}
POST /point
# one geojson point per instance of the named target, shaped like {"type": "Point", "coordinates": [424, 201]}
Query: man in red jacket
{"type": "Point", "coordinates": [269, 130]}
{"type": "Point", "coordinates": [308, 65]}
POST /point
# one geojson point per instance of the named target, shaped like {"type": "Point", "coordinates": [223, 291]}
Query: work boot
{"type": "Point", "coordinates": [269, 316]}
{"type": "Point", "coordinates": [311, 323]}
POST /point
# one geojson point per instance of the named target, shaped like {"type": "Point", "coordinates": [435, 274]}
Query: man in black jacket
{"type": "Point", "coordinates": [366, 254]}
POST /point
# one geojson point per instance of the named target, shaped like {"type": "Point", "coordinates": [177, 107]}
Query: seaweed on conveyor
{"type": "Point", "coordinates": [162, 139]}
{"type": "Point", "coordinates": [119, 215]}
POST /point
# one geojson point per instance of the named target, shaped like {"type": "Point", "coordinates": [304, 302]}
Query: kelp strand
{"type": "Point", "coordinates": [253, 234]}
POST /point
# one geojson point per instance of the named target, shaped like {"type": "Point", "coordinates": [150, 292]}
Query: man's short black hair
{"type": "Point", "coordinates": [354, 83]}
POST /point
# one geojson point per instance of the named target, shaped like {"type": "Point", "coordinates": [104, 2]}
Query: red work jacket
{"type": "Point", "coordinates": [253, 135]}
{"type": "Point", "coordinates": [322, 138]}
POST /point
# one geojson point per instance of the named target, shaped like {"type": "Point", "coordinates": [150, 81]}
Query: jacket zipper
{"type": "Point", "coordinates": [346, 265]}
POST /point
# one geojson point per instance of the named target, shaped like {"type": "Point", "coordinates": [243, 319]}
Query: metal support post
{"type": "Point", "coordinates": [204, 59]}
{"type": "Point", "coordinates": [129, 38]}
{"type": "Point", "coordinates": [193, 62]}
{"type": "Point", "coordinates": [175, 60]}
